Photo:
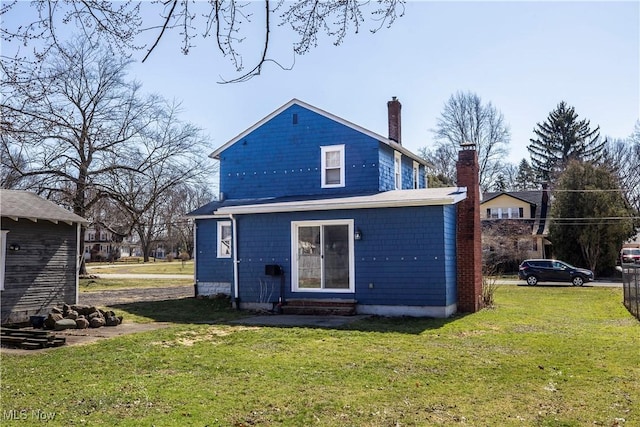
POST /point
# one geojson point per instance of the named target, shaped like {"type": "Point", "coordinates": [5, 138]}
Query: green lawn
{"type": "Point", "coordinates": [104, 284]}
{"type": "Point", "coordinates": [159, 267]}
{"type": "Point", "coordinates": [546, 356]}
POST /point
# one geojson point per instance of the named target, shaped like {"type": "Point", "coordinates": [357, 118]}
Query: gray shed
{"type": "Point", "coordinates": [40, 255]}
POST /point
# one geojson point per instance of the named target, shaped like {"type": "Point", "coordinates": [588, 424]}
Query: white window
{"type": "Point", "coordinates": [3, 253]}
{"type": "Point", "coordinates": [224, 239]}
{"type": "Point", "coordinates": [332, 165]}
{"type": "Point", "coordinates": [322, 255]}
{"type": "Point", "coordinates": [504, 213]}
{"type": "Point", "coordinates": [416, 175]}
{"type": "Point", "coordinates": [397, 167]}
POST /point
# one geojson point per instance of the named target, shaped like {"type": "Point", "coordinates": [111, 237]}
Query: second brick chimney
{"type": "Point", "coordinates": [469, 238]}
{"type": "Point", "coordinates": [394, 108]}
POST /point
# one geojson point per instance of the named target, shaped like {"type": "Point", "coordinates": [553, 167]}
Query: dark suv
{"type": "Point", "coordinates": [550, 270]}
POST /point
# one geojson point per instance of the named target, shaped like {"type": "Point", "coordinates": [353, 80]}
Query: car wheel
{"type": "Point", "coordinates": [532, 280]}
{"type": "Point", "coordinates": [577, 281]}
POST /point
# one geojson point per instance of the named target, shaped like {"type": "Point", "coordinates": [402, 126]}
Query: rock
{"type": "Point", "coordinates": [52, 318]}
{"type": "Point", "coordinates": [111, 321]}
{"type": "Point", "coordinates": [63, 324]}
{"type": "Point", "coordinates": [96, 322]}
{"type": "Point", "coordinates": [71, 314]}
{"type": "Point", "coordinates": [82, 310]}
{"type": "Point", "coordinates": [82, 323]}
{"type": "Point", "coordinates": [56, 310]}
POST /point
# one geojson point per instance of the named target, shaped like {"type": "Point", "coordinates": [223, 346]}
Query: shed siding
{"type": "Point", "coordinates": [406, 254]}
{"type": "Point", "coordinates": [42, 274]}
{"type": "Point", "coordinates": [281, 158]}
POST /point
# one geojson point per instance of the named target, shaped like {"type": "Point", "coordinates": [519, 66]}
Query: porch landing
{"type": "Point", "coordinates": [320, 306]}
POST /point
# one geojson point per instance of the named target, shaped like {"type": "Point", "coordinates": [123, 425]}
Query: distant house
{"type": "Point", "coordinates": [316, 210]}
{"type": "Point", "coordinates": [40, 255]}
{"type": "Point", "coordinates": [520, 220]}
{"type": "Point", "coordinates": [102, 243]}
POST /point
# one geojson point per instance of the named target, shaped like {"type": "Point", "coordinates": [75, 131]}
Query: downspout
{"type": "Point", "coordinates": [234, 245]}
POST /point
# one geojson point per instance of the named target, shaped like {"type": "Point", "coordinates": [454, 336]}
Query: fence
{"type": "Point", "coordinates": [631, 285]}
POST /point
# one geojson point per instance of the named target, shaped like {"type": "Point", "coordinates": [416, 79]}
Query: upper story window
{"type": "Point", "coordinates": [92, 236]}
{"type": "Point", "coordinates": [332, 166]}
{"type": "Point", "coordinates": [416, 175]}
{"type": "Point", "coordinates": [397, 171]}
{"type": "Point", "coordinates": [224, 239]}
{"type": "Point", "coordinates": [505, 213]}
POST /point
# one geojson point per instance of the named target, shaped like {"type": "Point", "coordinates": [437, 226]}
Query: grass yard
{"type": "Point", "coordinates": [546, 356]}
{"type": "Point", "coordinates": [102, 284]}
{"type": "Point", "coordinates": [160, 267]}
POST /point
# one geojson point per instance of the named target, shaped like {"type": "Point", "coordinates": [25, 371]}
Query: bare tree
{"type": "Point", "coordinates": [465, 119]}
{"type": "Point", "coordinates": [172, 153]}
{"type": "Point", "coordinates": [120, 24]}
{"type": "Point", "coordinates": [623, 158]}
{"type": "Point", "coordinates": [442, 169]}
{"type": "Point", "coordinates": [76, 127]}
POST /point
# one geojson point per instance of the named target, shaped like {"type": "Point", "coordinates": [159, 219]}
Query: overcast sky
{"type": "Point", "coordinates": [523, 57]}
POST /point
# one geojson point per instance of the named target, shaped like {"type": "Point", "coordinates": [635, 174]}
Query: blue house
{"type": "Point", "coordinates": [317, 211]}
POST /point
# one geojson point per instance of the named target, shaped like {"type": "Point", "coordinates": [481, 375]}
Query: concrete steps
{"type": "Point", "coordinates": [319, 306]}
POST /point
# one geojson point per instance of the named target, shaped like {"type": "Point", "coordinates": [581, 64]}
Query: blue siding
{"type": "Point", "coordinates": [386, 159]}
{"type": "Point", "coordinates": [450, 218]}
{"type": "Point", "coordinates": [406, 254]}
{"type": "Point", "coordinates": [281, 158]}
{"type": "Point", "coordinates": [210, 268]}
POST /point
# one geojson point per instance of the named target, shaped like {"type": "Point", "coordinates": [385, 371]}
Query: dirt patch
{"type": "Point", "coordinates": [109, 298]}
{"type": "Point", "coordinates": [90, 335]}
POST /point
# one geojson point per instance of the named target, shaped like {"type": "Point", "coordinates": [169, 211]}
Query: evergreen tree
{"type": "Point", "coordinates": [526, 177]}
{"type": "Point", "coordinates": [590, 218]}
{"type": "Point", "coordinates": [561, 138]}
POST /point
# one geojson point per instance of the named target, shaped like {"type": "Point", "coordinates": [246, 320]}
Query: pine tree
{"type": "Point", "coordinates": [526, 177]}
{"type": "Point", "coordinates": [562, 138]}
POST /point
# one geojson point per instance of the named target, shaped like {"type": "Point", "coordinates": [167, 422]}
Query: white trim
{"type": "Point", "coordinates": [79, 257]}
{"type": "Point", "coordinates": [386, 199]}
{"type": "Point", "coordinates": [397, 170]}
{"type": "Point", "coordinates": [323, 165]}
{"type": "Point", "coordinates": [415, 175]}
{"type": "Point", "coordinates": [294, 101]}
{"type": "Point", "coordinates": [220, 249]}
{"type": "Point", "coordinates": [3, 249]}
{"type": "Point", "coordinates": [295, 225]}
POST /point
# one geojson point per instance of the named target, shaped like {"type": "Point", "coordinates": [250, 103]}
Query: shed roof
{"type": "Point", "coordinates": [386, 199]}
{"type": "Point", "coordinates": [16, 204]}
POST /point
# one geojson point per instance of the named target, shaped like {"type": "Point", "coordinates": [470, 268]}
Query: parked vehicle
{"type": "Point", "coordinates": [550, 270]}
{"type": "Point", "coordinates": [630, 255]}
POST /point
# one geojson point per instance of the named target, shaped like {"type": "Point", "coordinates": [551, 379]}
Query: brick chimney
{"type": "Point", "coordinates": [394, 108]}
{"type": "Point", "coordinates": [469, 238]}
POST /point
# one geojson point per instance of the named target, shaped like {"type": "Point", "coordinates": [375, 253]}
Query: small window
{"type": "Point", "coordinates": [332, 166]}
{"type": "Point", "coordinates": [416, 175]}
{"type": "Point", "coordinates": [397, 167]}
{"type": "Point", "coordinates": [224, 239]}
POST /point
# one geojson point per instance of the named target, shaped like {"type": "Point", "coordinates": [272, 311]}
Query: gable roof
{"type": "Point", "coordinates": [533, 197]}
{"type": "Point", "coordinates": [16, 204]}
{"type": "Point", "coordinates": [386, 199]}
{"type": "Point", "coordinates": [294, 101]}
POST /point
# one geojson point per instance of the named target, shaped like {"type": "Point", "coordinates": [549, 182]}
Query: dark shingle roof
{"type": "Point", "coordinates": [23, 204]}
